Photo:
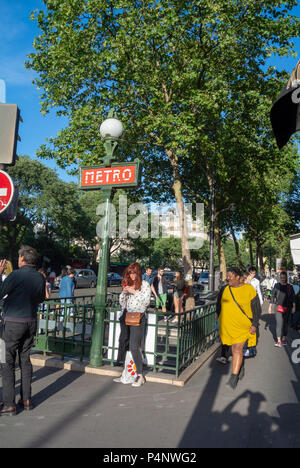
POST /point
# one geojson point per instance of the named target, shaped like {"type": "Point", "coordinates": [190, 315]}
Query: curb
{"type": "Point", "coordinates": [39, 360]}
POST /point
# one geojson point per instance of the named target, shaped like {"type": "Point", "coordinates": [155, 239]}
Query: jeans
{"type": "Point", "coordinates": [135, 341]}
{"type": "Point", "coordinates": [19, 338]}
{"type": "Point", "coordinates": [282, 321]}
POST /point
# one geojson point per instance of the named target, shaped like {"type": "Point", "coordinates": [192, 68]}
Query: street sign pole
{"type": "Point", "coordinates": [108, 176]}
{"type": "Point", "coordinates": [101, 290]}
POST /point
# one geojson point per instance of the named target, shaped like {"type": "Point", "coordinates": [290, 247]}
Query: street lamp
{"type": "Point", "coordinates": [111, 130]}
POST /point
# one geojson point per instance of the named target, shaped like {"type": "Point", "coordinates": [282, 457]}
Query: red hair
{"type": "Point", "coordinates": [127, 281]}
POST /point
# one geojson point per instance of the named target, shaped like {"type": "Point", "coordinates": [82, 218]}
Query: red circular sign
{"type": "Point", "coordinates": [6, 190]}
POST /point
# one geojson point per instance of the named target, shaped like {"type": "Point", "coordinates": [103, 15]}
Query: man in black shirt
{"type": "Point", "coordinates": [23, 290]}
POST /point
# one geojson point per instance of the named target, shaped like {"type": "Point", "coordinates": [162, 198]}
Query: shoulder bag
{"type": "Point", "coordinates": [239, 305]}
{"type": "Point", "coordinates": [132, 319]}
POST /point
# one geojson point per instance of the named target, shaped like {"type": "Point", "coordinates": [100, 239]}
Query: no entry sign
{"type": "Point", "coordinates": [120, 175]}
{"type": "Point", "coordinates": [6, 190]}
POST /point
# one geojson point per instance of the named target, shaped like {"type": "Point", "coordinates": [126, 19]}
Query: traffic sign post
{"type": "Point", "coordinates": [7, 190]}
{"type": "Point", "coordinates": [108, 176]}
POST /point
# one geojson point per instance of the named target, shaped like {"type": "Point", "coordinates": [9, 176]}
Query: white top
{"type": "Point", "coordinates": [256, 284]}
{"type": "Point", "coordinates": [137, 302]}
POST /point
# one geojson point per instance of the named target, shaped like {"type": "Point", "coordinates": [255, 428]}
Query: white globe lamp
{"type": "Point", "coordinates": [111, 128]}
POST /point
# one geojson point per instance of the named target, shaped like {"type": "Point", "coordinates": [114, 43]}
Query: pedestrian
{"type": "Point", "coordinates": [25, 290]}
{"type": "Point", "coordinates": [160, 290]}
{"type": "Point", "coordinates": [238, 309]}
{"type": "Point", "coordinates": [66, 287]}
{"type": "Point", "coordinates": [7, 271]}
{"type": "Point", "coordinates": [135, 297]}
{"type": "Point", "coordinates": [147, 275]}
{"type": "Point", "coordinates": [283, 296]}
{"type": "Point", "coordinates": [272, 282]}
{"type": "Point", "coordinates": [52, 277]}
{"type": "Point", "coordinates": [255, 283]}
{"type": "Point", "coordinates": [178, 295]}
{"type": "Point", "coordinates": [48, 285]}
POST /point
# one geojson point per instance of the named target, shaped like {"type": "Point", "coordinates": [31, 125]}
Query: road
{"type": "Point", "coordinates": [86, 291]}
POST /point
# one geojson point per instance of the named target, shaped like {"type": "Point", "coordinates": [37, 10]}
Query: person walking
{"type": "Point", "coordinates": [147, 275]}
{"type": "Point", "coordinates": [178, 295]}
{"type": "Point", "coordinates": [25, 290]}
{"type": "Point", "coordinates": [255, 283]}
{"type": "Point", "coordinates": [238, 309]}
{"type": "Point", "coordinates": [48, 285]}
{"type": "Point", "coordinates": [135, 297]}
{"type": "Point", "coordinates": [52, 276]}
{"type": "Point", "coordinates": [160, 290]}
{"type": "Point", "coordinates": [66, 289]}
{"type": "Point", "coordinates": [283, 296]}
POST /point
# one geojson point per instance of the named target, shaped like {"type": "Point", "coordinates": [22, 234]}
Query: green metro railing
{"type": "Point", "coordinates": [65, 329]}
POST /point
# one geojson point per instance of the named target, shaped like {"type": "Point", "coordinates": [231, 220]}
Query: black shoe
{"type": "Point", "coordinates": [233, 381]}
{"type": "Point", "coordinates": [26, 404]}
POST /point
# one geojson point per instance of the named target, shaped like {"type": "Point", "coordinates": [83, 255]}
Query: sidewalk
{"type": "Point", "coordinates": [79, 410]}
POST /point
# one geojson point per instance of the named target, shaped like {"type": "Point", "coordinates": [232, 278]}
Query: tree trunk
{"type": "Point", "coordinates": [251, 253]}
{"type": "Point", "coordinates": [237, 248]}
{"type": "Point", "coordinates": [186, 254]}
{"type": "Point", "coordinates": [221, 254]}
{"type": "Point", "coordinates": [260, 256]}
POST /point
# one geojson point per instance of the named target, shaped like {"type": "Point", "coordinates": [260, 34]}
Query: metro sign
{"type": "Point", "coordinates": [116, 175]}
{"type": "Point", "coordinates": [6, 190]}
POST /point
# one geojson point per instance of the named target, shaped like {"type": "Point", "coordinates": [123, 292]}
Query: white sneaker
{"type": "Point", "coordinates": [139, 381]}
{"type": "Point", "coordinates": [118, 380]}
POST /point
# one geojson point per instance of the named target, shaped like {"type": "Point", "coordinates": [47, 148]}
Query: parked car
{"type": "Point", "coordinates": [84, 278]}
{"type": "Point", "coordinates": [114, 279]}
{"type": "Point", "coordinates": [203, 279]}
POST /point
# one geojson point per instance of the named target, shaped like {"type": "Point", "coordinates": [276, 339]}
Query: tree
{"type": "Point", "coordinates": [47, 207]}
{"type": "Point", "coordinates": [171, 70]}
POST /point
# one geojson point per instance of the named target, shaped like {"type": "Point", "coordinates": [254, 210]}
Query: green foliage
{"type": "Point", "coordinates": [189, 81]}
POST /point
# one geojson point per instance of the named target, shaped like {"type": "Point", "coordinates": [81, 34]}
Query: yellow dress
{"type": "Point", "coordinates": [234, 326]}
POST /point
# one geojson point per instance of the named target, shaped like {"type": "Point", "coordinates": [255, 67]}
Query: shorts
{"type": "Point", "coordinates": [161, 300]}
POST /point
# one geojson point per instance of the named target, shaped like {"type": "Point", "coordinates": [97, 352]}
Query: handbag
{"type": "Point", "coordinates": [282, 309]}
{"type": "Point", "coordinates": [133, 318]}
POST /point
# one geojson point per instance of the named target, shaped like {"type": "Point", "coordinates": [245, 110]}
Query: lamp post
{"type": "Point", "coordinates": [111, 130]}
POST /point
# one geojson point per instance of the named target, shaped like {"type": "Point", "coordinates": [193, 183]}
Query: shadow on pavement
{"type": "Point", "coordinates": [209, 428]}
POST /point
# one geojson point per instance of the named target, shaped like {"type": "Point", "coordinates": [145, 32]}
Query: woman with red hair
{"type": "Point", "coordinates": [135, 297]}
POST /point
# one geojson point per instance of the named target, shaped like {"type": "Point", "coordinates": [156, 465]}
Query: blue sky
{"type": "Point", "coordinates": [17, 33]}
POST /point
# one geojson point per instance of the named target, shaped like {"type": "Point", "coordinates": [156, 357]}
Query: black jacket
{"type": "Point", "coordinates": [25, 290]}
{"type": "Point", "coordinates": [164, 284]}
{"type": "Point", "coordinates": [284, 295]}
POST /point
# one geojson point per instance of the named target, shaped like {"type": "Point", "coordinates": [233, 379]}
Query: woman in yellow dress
{"type": "Point", "coordinates": [239, 309]}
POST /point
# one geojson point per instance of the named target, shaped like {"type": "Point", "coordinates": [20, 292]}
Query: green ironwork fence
{"type": "Point", "coordinates": [65, 329]}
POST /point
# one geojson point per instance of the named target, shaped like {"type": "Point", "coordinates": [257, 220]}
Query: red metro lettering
{"type": "Point", "coordinates": [93, 177]}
